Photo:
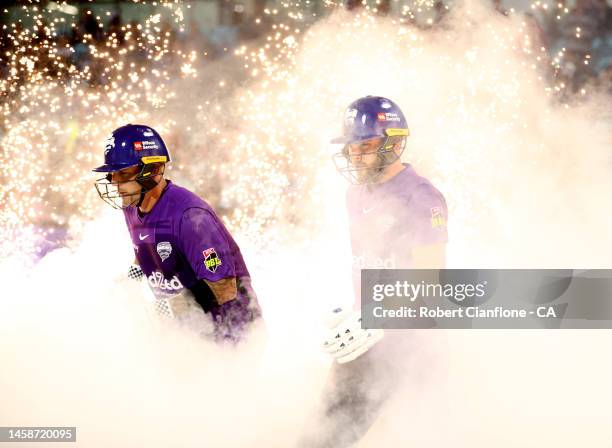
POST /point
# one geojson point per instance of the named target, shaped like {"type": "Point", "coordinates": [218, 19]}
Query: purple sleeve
{"type": "Point", "coordinates": [430, 216]}
{"type": "Point", "coordinates": [204, 243]}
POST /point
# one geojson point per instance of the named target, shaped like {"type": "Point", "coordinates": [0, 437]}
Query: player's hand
{"type": "Point", "coordinates": [346, 340]}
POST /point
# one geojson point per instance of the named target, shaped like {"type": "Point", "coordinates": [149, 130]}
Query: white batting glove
{"type": "Point", "coordinates": [346, 340]}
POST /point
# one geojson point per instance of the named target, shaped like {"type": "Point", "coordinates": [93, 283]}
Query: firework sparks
{"type": "Point", "coordinates": [52, 108]}
{"type": "Point", "coordinates": [263, 126]}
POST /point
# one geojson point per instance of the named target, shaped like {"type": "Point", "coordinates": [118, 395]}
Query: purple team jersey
{"type": "Point", "coordinates": [180, 243]}
{"type": "Point", "coordinates": [388, 220]}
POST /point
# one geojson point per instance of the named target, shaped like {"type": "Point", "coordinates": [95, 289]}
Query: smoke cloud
{"type": "Point", "coordinates": [525, 178]}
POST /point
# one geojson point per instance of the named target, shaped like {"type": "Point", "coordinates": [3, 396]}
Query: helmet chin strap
{"type": "Point", "coordinates": [143, 193]}
{"type": "Point", "coordinates": [146, 181]}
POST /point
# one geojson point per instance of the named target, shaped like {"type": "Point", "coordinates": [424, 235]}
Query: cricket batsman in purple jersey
{"type": "Point", "coordinates": [189, 259]}
{"type": "Point", "coordinates": [398, 220]}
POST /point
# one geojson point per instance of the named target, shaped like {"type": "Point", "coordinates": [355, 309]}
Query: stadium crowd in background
{"type": "Point", "coordinates": [582, 33]}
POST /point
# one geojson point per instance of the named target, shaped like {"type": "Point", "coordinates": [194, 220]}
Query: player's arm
{"type": "Point", "coordinates": [224, 290]}
{"type": "Point", "coordinates": [430, 234]}
{"type": "Point", "coordinates": [207, 250]}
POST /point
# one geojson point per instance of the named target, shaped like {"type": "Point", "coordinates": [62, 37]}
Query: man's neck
{"type": "Point", "coordinates": [391, 172]}
{"type": "Point", "coordinates": [152, 196]}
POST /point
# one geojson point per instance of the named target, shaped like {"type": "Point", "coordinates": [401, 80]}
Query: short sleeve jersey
{"type": "Point", "coordinates": [181, 242]}
{"type": "Point", "coordinates": [387, 221]}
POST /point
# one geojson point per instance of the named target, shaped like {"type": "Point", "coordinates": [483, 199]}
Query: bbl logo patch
{"type": "Point", "coordinates": [437, 220]}
{"type": "Point", "coordinates": [164, 249]}
{"type": "Point", "coordinates": [211, 260]}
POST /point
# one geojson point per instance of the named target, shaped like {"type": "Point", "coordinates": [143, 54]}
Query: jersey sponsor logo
{"type": "Point", "coordinates": [363, 262]}
{"type": "Point", "coordinates": [138, 146]}
{"type": "Point", "coordinates": [158, 281]}
{"type": "Point", "coordinates": [141, 237]}
{"type": "Point", "coordinates": [437, 219]}
{"type": "Point", "coordinates": [164, 249]}
{"type": "Point", "coordinates": [381, 116]}
{"type": "Point", "coordinates": [211, 259]}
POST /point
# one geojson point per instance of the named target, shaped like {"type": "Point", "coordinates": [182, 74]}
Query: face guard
{"type": "Point", "coordinates": [386, 155]}
{"type": "Point", "coordinates": [109, 191]}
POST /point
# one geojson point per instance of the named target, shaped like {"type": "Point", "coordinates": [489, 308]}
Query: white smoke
{"type": "Point", "coordinates": [524, 179]}
{"type": "Point", "coordinates": [81, 349]}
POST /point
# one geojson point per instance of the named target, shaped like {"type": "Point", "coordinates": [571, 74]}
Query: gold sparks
{"type": "Point", "coordinates": [248, 131]}
{"type": "Point", "coordinates": [58, 100]}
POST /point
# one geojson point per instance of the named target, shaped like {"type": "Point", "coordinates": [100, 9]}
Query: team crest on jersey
{"type": "Point", "coordinates": [437, 219]}
{"type": "Point", "coordinates": [211, 259]}
{"type": "Point", "coordinates": [164, 249]}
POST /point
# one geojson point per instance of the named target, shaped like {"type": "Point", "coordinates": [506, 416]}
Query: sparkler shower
{"type": "Point", "coordinates": [523, 164]}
